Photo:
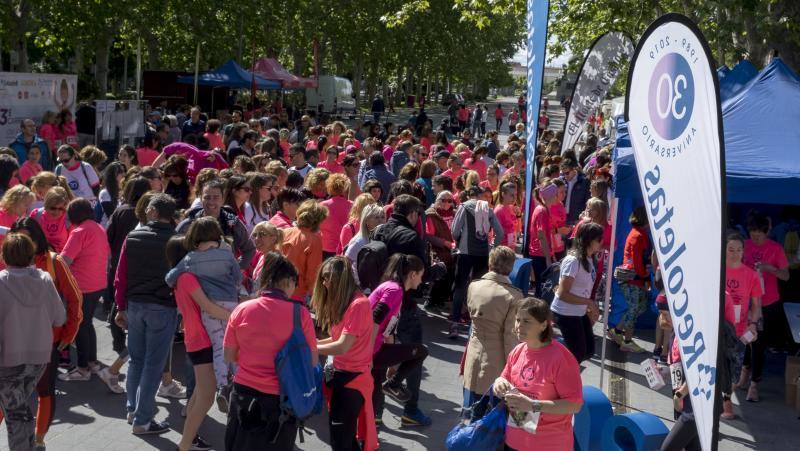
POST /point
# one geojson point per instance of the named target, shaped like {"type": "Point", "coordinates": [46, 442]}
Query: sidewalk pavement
{"type": "Point", "coordinates": [88, 417]}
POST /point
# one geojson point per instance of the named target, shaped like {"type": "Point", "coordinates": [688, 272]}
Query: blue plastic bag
{"type": "Point", "coordinates": [485, 434]}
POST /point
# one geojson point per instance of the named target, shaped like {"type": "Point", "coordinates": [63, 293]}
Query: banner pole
{"type": "Point", "coordinates": [196, 73]}
{"type": "Point", "coordinates": [609, 282]}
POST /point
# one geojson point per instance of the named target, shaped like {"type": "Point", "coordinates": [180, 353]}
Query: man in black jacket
{"type": "Point", "coordinates": [147, 309]}
{"type": "Point", "coordinates": [398, 233]}
{"type": "Point", "coordinates": [577, 190]}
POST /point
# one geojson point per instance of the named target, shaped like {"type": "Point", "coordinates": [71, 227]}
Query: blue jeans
{"type": "Point", "coordinates": [151, 328]}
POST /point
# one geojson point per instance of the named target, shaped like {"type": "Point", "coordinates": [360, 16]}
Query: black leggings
{"type": "Point", "coordinates": [410, 358]}
{"type": "Point", "coordinates": [345, 405]}
{"type": "Point", "coordinates": [86, 339]}
{"type": "Point", "coordinates": [772, 335]}
{"type": "Point", "coordinates": [578, 335]}
{"type": "Point", "coordinates": [682, 436]}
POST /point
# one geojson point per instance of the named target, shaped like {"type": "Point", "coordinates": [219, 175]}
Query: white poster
{"type": "Point", "coordinates": [607, 56]}
{"type": "Point", "coordinates": [29, 96]}
{"type": "Point", "coordinates": [675, 127]}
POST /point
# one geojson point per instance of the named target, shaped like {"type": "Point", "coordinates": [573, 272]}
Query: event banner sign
{"type": "Point", "coordinates": [538, 11]}
{"type": "Point", "coordinates": [29, 96]}
{"type": "Point", "coordinates": [607, 56]}
{"type": "Point", "coordinates": [675, 124]}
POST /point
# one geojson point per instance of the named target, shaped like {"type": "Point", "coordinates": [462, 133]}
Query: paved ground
{"type": "Point", "coordinates": [88, 417]}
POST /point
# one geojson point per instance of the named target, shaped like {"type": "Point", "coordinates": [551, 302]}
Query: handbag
{"type": "Point", "coordinates": [623, 275]}
{"type": "Point", "coordinates": [485, 434]}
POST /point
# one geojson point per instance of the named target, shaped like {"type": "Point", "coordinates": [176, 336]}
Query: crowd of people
{"type": "Point", "coordinates": [215, 230]}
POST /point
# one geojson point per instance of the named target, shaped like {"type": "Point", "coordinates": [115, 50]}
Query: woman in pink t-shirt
{"type": "Point", "coordinates": [338, 187]}
{"type": "Point", "coordinates": [541, 384]}
{"type": "Point", "coordinates": [147, 154]}
{"type": "Point", "coordinates": [31, 166]}
{"type": "Point", "coordinates": [346, 316]}
{"type": "Point", "coordinates": [353, 225]}
{"type": "Point", "coordinates": [769, 261]}
{"type": "Point", "coordinates": [15, 203]}
{"type": "Point", "coordinates": [257, 330]}
{"type": "Point", "coordinates": [742, 310]}
{"type": "Point", "coordinates": [49, 131]}
{"type": "Point", "coordinates": [67, 131]}
{"type": "Point", "coordinates": [53, 217]}
{"type": "Point", "coordinates": [506, 213]}
{"type": "Point", "coordinates": [86, 252]}
{"type": "Point", "coordinates": [558, 215]}
{"type": "Point", "coordinates": [191, 300]}
{"type": "Point", "coordinates": [541, 231]}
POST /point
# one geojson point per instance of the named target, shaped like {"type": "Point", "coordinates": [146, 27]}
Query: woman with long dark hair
{"type": "Point", "coordinates": [111, 194]}
{"type": "Point", "coordinates": [573, 303]}
{"type": "Point", "coordinates": [403, 274]}
{"type": "Point", "coordinates": [259, 208]}
{"type": "Point", "coordinates": [636, 257]}
{"type": "Point", "coordinates": [175, 173]}
{"type": "Point", "coordinates": [346, 316]}
{"type": "Point", "coordinates": [237, 194]}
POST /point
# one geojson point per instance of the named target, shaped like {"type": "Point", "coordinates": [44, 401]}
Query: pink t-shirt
{"type": "Point", "coordinates": [331, 227]}
{"type": "Point", "coordinates": [49, 133]}
{"type": "Point", "coordinates": [28, 170]}
{"type": "Point", "coordinates": [770, 253]}
{"type": "Point", "coordinates": [349, 230]}
{"type": "Point", "coordinates": [742, 285]}
{"type": "Point", "coordinates": [452, 175]}
{"type": "Point", "coordinates": [280, 220]}
{"type": "Point", "coordinates": [478, 166]}
{"type": "Point", "coordinates": [391, 294]}
{"type": "Point", "coordinates": [7, 218]}
{"type": "Point", "coordinates": [195, 336]}
{"type": "Point", "coordinates": [333, 168]}
{"type": "Point", "coordinates": [214, 140]}
{"type": "Point", "coordinates": [87, 248]}
{"type": "Point", "coordinates": [387, 153]}
{"type": "Point", "coordinates": [540, 221]}
{"type": "Point", "coordinates": [146, 156]}
{"type": "Point", "coordinates": [505, 214]}
{"type": "Point", "coordinates": [357, 321]}
{"type": "Point", "coordinates": [558, 218]}
{"type": "Point", "coordinates": [547, 373]}
{"type": "Point", "coordinates": [55, 230]}
{"type": "Point", "coordinates": [260, 328]}
{"type": "Point", "coordinates": [198, 159]}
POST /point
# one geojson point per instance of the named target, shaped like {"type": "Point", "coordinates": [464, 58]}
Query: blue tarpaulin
{"type": "Point", "coordinates": [734, 80]}
{"type": "Point", "coordinates": [230, 75]}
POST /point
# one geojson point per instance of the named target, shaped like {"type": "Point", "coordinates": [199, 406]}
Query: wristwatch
{"type": "Point", "coordinates": [678, 394]}
{"type": "Point", "coordinates": [537, 406]}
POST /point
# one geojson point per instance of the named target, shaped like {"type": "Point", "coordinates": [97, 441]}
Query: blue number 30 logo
{"type": "Point", "coordinates": [671, 96]}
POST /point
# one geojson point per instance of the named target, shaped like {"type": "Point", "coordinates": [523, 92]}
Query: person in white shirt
{"type": "Point", "coordinates": [573, 305]}
{"type": "Point", "coordinates": [81, 177]}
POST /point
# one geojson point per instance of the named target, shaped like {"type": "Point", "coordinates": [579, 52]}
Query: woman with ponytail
{"type": "Point", "coordinates": [541, 230]}
{"type": "Point", "coordinates": [403, 273]}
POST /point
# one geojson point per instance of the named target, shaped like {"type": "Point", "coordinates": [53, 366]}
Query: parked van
{"type": "Point", "coordinates": [333, 95]}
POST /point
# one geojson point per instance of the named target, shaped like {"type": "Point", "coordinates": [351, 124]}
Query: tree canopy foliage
{"type": "Point", "coordinates": [389, 44]}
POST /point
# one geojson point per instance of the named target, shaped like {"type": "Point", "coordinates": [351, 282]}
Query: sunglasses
{"type": "Point", "coordinates": [246, 189]}
{"type": "Point", "coordinates": [424, 155]}
{"type": "Point", "coordinates": [56, 209]}
{"type": "Point", "coordinates": [447, 201]}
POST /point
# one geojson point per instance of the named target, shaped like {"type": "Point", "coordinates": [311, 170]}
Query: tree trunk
{"type": "Point", "coordinates": [358, 69]}
{"type": "Point", "coordinates": [101, 59]}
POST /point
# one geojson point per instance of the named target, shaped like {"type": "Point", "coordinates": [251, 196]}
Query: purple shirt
{"type": "Point", "coordinates": [198, 159]}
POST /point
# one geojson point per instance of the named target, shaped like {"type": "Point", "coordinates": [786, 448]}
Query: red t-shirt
{"type": "Point", "coordinates": [558, 217]}
{"type": "Point", "coordinates": [194, 333]}
{"type": "Point", "coordinates": [357, 321]}
{"type": "Point", "coordinates": [770, 253]}
{"type": "Point", "coordinates": [146, 156]}
{"type": "Point", "coordinates": [742, 284]}
{"type": "Point", "coordinates": [508, 219]}
{"type": "Point", "coordinates": [259, 328]}
{"type": "Point", "coordinates": [547, 373]}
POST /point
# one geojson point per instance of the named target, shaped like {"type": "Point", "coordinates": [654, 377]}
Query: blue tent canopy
{"type": "Point", "coordinates": [762, 140]}
{"type": "Point", "coordinates": [230, 75]}
{"type": "Point", "coordinates": [736, 79]}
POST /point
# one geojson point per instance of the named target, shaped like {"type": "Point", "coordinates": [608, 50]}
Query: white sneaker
{"type": "Point", "coordinates": [75, 375]}
{"type": "Point", "coordinates": [172, 390]}
{"type": "Point", "coordinates": [111, 381]}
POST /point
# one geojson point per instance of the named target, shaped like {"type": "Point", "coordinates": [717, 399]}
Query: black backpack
{"type": "Point", "coordinates": [371, 263]}
{"type": "Point", "coordinates": [550, 280]}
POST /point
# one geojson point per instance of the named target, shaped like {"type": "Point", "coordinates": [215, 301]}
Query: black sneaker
{"type": "Point", "coordinates": [398, 393]}
{"type": "Point", "coordinates": [199, 444]}
{"type": "Point", "coordinates": [154, 428]}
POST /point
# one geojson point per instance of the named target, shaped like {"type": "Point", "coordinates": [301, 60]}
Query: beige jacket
{"type": "Point", "coordinates": [493, 302]}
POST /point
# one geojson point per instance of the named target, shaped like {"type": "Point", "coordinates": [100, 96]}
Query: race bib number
{"type": "Point", "coordinates": [676, 375]}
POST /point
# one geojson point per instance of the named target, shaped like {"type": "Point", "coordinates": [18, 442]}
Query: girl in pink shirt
{"type": "Point", "coordinates": [338, 186]}
{"type": "Point", "coordinates": [353, 225]}
{"type": "Point", "coordinates": [147, 154]}
{"type": "Point", "coordinates": [541, 231]}
{"type": "Point", "coordinates": [541, 384]}
{"type": "Point", "coordinates": [345, 314]}
{"type": "Point", "coordinates": [67, 131]}
{"type": "Point", "coordinates": [558, 215]}
{"type": "Point", "coordinates": [49, 132]}
{"type": "Point", "coordinates": [506, 213]}
{"type": "Point", "coordinates": [31, 166]}
{"type": "Point", "coordinates": [53, 217]}
{"type": "Point", "coordinates": [15, 203]}
{"type": "Point", "coordinates": [257, 330]}
{"type": "Point", "coordinates": [191, 301]}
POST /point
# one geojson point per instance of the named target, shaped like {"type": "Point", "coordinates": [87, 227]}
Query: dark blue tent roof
{"type": "Point", "coordinates": [762, 140]}
{"type": "Point", "coordinates": [230, 75]}
{"type": "Point", "coordinates": [735, 79]}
